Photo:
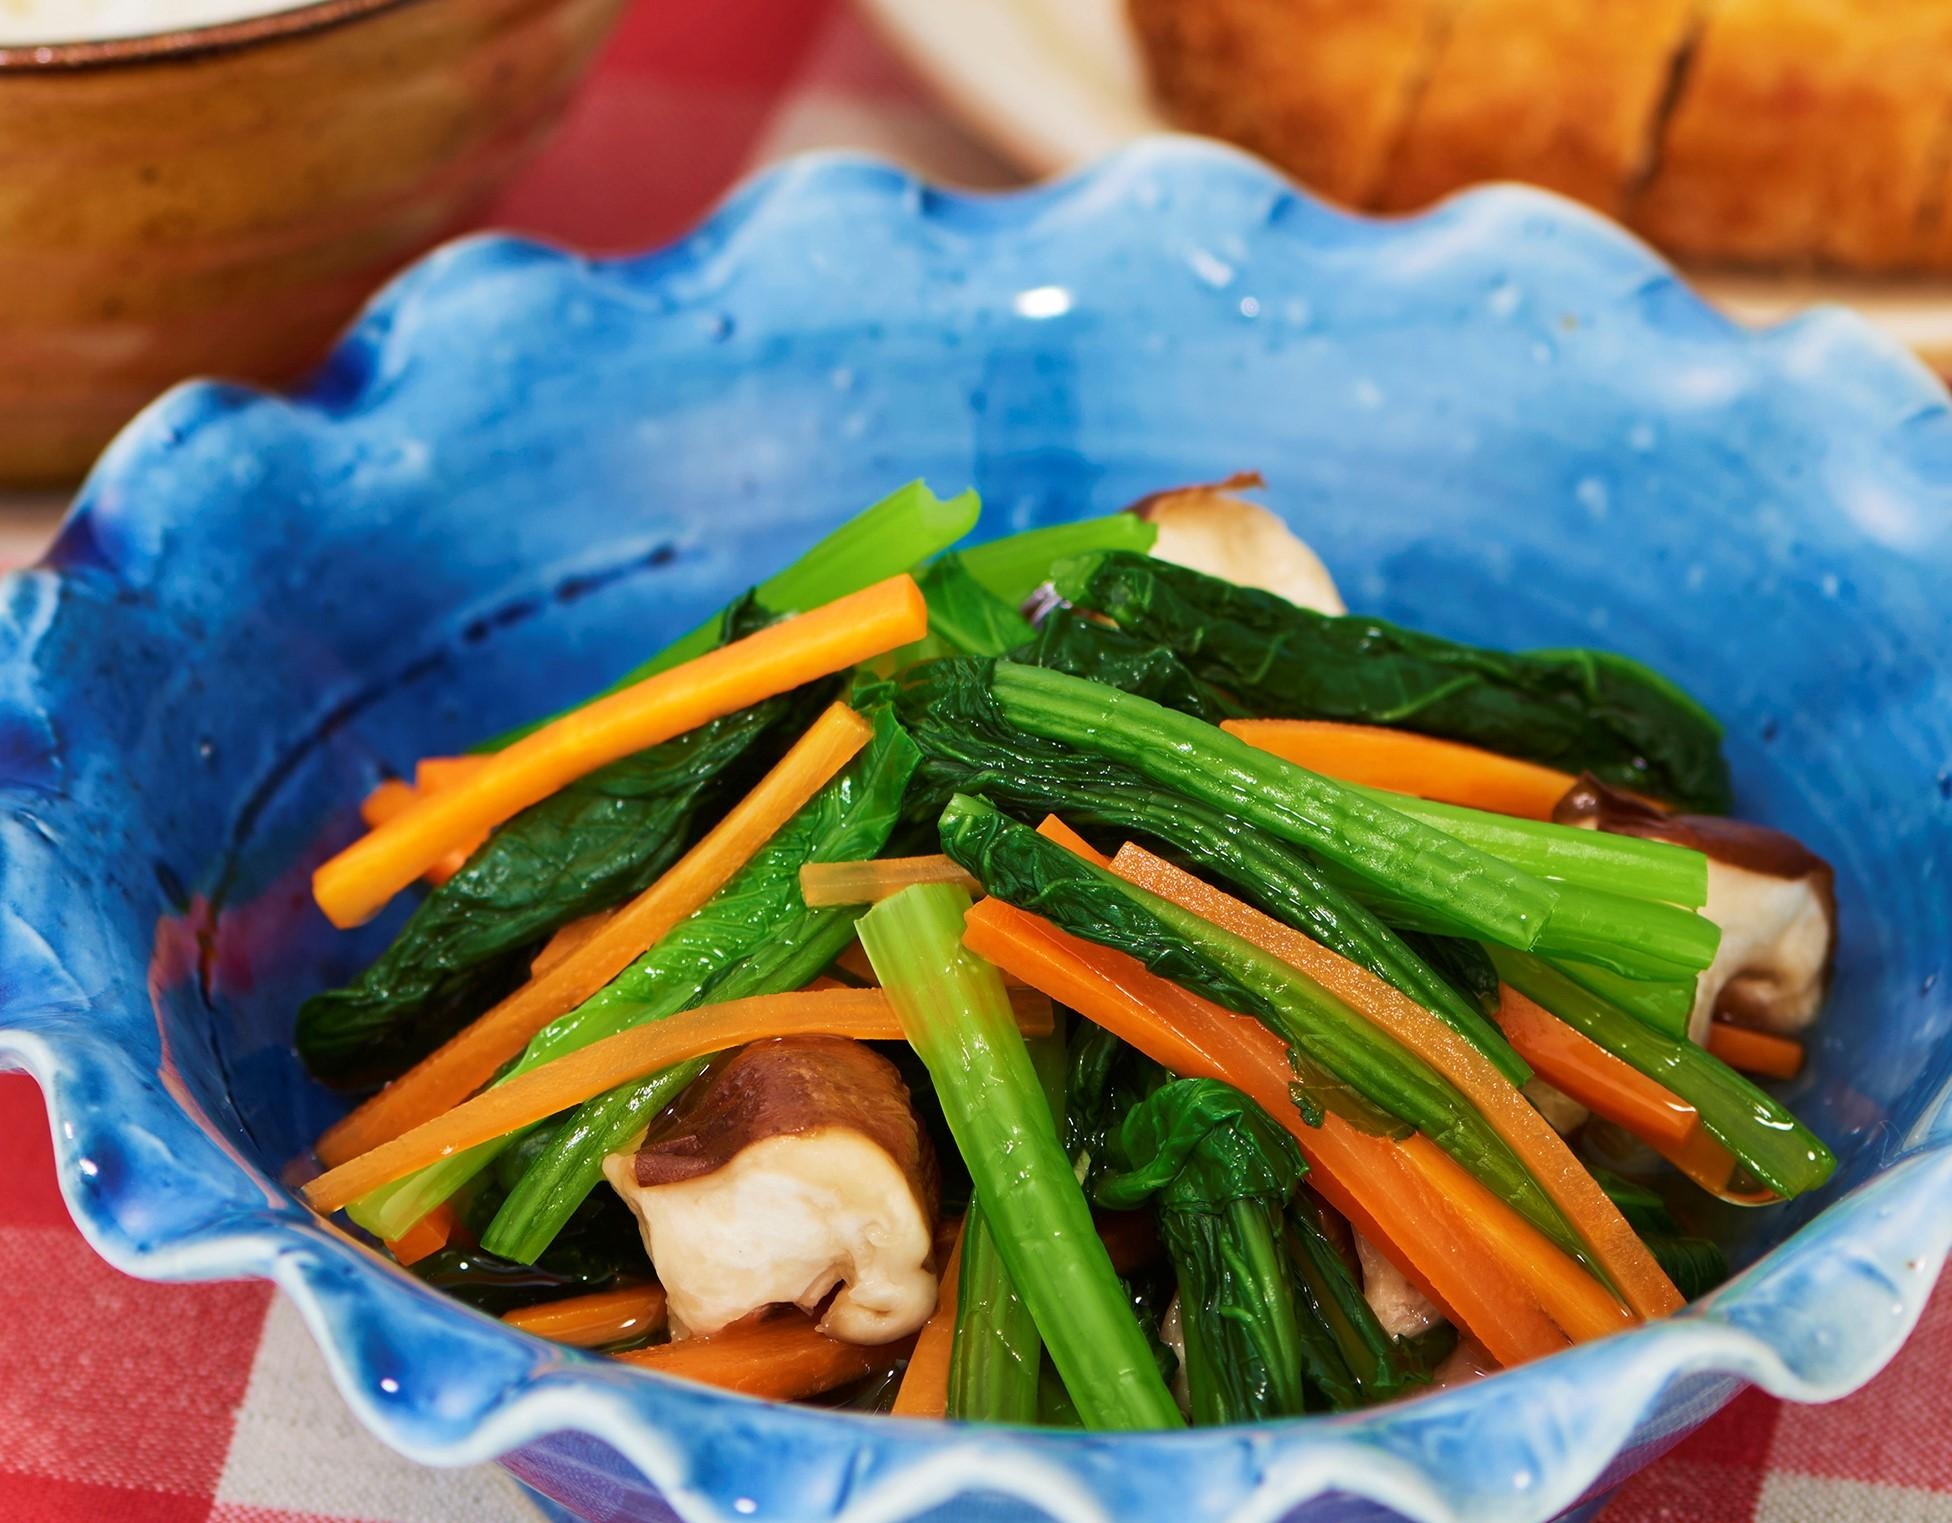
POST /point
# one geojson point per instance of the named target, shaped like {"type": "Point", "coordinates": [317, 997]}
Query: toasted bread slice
{"type": "Point", "coordinates": [1563, 95]}
{"type": "Point", "coordinates": [1321, 87]}
{"type": "Point", "coordinates": [1806, 131]}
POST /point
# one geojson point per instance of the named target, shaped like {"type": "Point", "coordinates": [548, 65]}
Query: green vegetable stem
{"type": "Point", "coordinates": [1577, 710]}
{"type": "Point", "coordinates": [957, 1017]}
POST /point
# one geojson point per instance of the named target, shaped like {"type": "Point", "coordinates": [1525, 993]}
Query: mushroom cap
{"type": "Point", "coordinates": [1774, 899]}
{"type": "Point", "coordinates": [796, 1171]}
{"type": "Point", "coordinates": [1209, 528]}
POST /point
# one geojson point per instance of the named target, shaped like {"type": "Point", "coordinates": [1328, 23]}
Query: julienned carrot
{"type": "Point", "coordinates": [1054, 829]}
{"type": "Point", "coordinates": [1639, 1105]}
{"type": "Point", "coordinates": [353, 886]}
{"type": "Point", "coordinates": [1614, 1245]}
{"type": "Point", "coordinates": [471, 1057]}
{"type": "Point", "coordinates": [1576, 1301]}
{"type": "Point", "coordinates": [823, 884]}
{"type": "Point", "coordinates": [432, 773]}
{"type": "Point", "coordinates": [925, 1383]}
{"type": "Point", "coordinates": [1572, 1062]}
{"type": "Point", "coordinates": [424, 1238]}
{"type": "Point", "coordinates": [784, 1357]}
{"type": "Point", "coordinates": [1756, 1052]}
{"type": "Point", "coordinates": [387, 801]}
{"type": "Point", "coordinates": [393, 798]}
{"type": "Point", "coordinates": [567, 940]}
{"type": "Point", "coordinates": [1368, 1179]}
{"type": "Point", "coordinates": [863, 1014]}
{"type": "Point", "coordinates": [608, 1316]}
{"type": "Point", "coordinates": [589, 1071]}
{"type": "Point", "coordinates": [1404, 762]}
{"type": "Point", "coordinates": [853, 961]}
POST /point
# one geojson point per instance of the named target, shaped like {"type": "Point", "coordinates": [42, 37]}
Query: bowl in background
{"type": "Point", "coordinates": [523, 471]}
{"type": "Point", "coordinates": [221, 200]}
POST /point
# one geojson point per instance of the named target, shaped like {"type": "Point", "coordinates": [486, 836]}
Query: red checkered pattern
{"type": "Point", "coordinates": [124, 1402]}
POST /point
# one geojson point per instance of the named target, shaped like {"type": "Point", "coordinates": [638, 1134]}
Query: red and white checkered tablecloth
{"type": "Point", "coordinates": [125, 1402]}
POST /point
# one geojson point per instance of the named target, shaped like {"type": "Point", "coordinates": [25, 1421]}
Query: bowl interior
{"type": "Point", "coordinates": [1502, 453]}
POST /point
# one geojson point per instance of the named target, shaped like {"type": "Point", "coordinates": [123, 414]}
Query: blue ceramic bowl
{"type": "Point", "coordinates": [523, 471]}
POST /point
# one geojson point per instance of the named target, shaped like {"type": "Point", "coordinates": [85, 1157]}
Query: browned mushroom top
{"type": "Point", "coordinates": [795, 1168]}
{"type": "Point", "coordinates": [1740, 843]}
{"type": "Point", "coordinates": [788, 1087]}
{"type": "Point", "coordinates": [1773, 898]}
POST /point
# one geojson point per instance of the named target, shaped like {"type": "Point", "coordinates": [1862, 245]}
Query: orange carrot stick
{"type": "Point", "coordinates": [1623, 1095]}
{"type": "Point", "coordinates": [567, 940]}
{"type": "Point", "coordinates": [472, 1056]}
{"type": "Point", "coordinates": [863, 1014]}
{"type": "Point", "coordinates": [925, 1383]}
{"type": "Point", "coordinates": [1613, 1244]}
{"type": "Point", "coordinates": [1575, 1300]}
{"type": "Point", "coordinates": [823, 884]}
{"type": "Point", "coordinates": [393, 798]}
{"type": "Point", "coordinates": [784, 1357]}
{"type": "Point", "coordinates": [387, 801]}
{"type": "Point", "coordinates": [853, 961]}
{"type": "Point", "coordinates": [1756, 1052]}
{"type": "Point", "coordinates": [1571, 1061]}
{"type": "Point", "coordinates": [425, 1237]}
{"type": "Point", "coordinates": [433, 773]}
{"type": "Point", "coordinates": [590, 1071]}
{"type": "Point", "coordinates": [353, 886]}
{"type": "Point", "coordinates": [1054, 829]}
{"type": "Point", "coordinates": [1368, 1179]}
{"type": "Point", "coordinates": [1404, 762]}
{"type": "Point", "coordinates": [608, 1316]}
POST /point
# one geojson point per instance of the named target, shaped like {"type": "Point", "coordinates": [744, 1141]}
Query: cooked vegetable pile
{"type": "Point", "coordinates": [1051, 982]}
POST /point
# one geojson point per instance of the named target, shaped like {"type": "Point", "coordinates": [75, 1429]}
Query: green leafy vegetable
{"type": "Point", "coordinates": [1016, 565]}
{"type": "Point", "coordinates": [1344, 1063]}
{"type": "Point", "coordinates": [1761, 1132]}
{"type": "Point", "coordinates": [1219, 1174]}
{"type": "Point", "coordinates": [1107, 1079]}
{"type": "Point", "coordinates": [957, 1016]}
{"type": "Point", "coordinates": [1347, 1356]}
{"type": "Point", "coordinates": [1409, 860]}
{"type": "Point", "coordinates": [1069, 642]}
{"type": "Point", "coordinates": [755, 936]}
{"type": "Point", "coordinates": [1577, 710]}
{"type": "Point", "coordinates": [969, 746]}
{"type": "Point", "coordinates": [897, 533]}
{"type": "Point", "coordinates": [1462, 964]}
{"type": "Point", "coordinates": [585, 848]}
{"type": "Point", "coordinates": [965, 617]}
{"type": "Point", "coordinates": [993, 1369]}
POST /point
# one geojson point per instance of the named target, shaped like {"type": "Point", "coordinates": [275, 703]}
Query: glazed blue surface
{"type": "Point", "coordinates": [523, 471]}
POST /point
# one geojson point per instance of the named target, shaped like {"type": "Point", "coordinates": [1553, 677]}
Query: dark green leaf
{"type": "Point", "coordinates": [1069, 642]}
{"type": "Point", "coordinates": [1577, 710]}
{"type": "Point", "coordinates": [965, 617]}
{"type": "Point", "coordinates": [1219, 1173]}
{"type": "Point", "coordinates": [591, 845]}
{"type": "Point", "coordinates": [1350, 1360]}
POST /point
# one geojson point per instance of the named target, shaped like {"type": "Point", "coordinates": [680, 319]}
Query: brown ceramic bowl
{"type": "Point", "coordinates": [219, 201]}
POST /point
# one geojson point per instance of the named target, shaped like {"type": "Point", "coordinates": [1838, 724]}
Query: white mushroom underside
{"type": "Point", "coordinates": [1774, 947]}
{"type": "Point", "coordinates": [786, 1221]}
{"type": "Point", "coordinates": [1242, 542]}
{"type": "Point", "coordinates": [1402, 1309]}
